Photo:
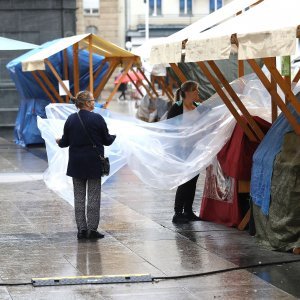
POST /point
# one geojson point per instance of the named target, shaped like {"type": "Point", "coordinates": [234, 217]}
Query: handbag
{"type": "Point", "coordinates": [105, 164]}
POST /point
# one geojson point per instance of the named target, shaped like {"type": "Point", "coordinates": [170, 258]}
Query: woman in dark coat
{"type": "Point", "coordinates": [186, 98]}
{"type": "Point", "coordinates": [84, 164]}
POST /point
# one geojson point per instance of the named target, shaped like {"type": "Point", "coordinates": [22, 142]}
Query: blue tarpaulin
{"type": "Point", "coordinates": [263, 159]}
{"type": "Point", "coordinates": [33, 99]}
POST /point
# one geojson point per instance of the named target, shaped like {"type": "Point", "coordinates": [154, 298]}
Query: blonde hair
{"type": "Point", "coordinates": [188, 86]}
{"type": "Point", "coordinates": [82, 97]}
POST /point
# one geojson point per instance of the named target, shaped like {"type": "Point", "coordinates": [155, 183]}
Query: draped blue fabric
{"type": "Point", "coordinates": [33, 99]}
{"type": "Point", "coordinates": [263, 159]}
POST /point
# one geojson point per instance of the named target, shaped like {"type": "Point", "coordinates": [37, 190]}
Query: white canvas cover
{"type": "Point", "coordinates": [266, 30]}
{"type": "Point", "coordinates": [169, 50]}
{"type": "Point", "coordinates": [36, 61]}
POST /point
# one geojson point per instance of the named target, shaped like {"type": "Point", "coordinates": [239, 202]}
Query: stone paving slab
{"type": "Point", "coordinates": [38, 239]}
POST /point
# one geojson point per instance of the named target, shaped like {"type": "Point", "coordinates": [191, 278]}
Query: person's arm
{"type": "Point", "coordinates": [107, 138]}
{"type": "Point", "coordinates": [64, 141]}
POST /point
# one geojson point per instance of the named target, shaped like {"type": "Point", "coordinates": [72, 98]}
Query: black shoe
{"type": "Point", "coordinates": [179, 218]}
{"type": "Point", "coordinates": [191, 216]}
{"type": "Point", "coordinates": [94, 235]}
{"type": "Point", "coordinates": [81, 234]}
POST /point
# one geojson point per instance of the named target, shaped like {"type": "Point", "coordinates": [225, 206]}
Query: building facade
{"type": "Point", "coordinates": [31, 21]}
{"type": "Point", "coordinates": [121, 21]}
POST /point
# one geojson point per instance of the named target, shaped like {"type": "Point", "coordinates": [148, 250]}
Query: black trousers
{"type": "Point", "coordinates": [185, 195]}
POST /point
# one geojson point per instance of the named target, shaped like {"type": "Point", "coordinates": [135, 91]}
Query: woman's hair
{"type": "Point", "coordinates": [188, 86]}
{"type": "Point", "coordinates": [82, 97]}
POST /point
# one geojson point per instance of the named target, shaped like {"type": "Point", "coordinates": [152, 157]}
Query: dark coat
{"type": "Point", "coordinates": [84, 162]}
{"type": "Point", "coordinates": [177, 109]}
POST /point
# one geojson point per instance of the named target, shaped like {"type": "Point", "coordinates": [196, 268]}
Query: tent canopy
{"type": "Point", "coordinates": [94, 43]}
{"type": "Point", "coordinates": [169, 49]}
{"type": "Point", "coordinates": [10, 44]}
{"type": "Point", "coordinates": [266, 30]}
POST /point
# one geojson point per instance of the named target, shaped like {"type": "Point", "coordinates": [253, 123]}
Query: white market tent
{"type": "Point", "coordinates": [267, 30]}
{"type": "Point", "coordinates": [169, 50]}
{"type": "Point", "coordinates": [10, 44]}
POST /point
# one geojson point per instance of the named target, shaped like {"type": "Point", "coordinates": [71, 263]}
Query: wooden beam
{"type": "Point", "coordinates": [43, 87]}
{"type": "Point", "coordinates": [275, 97]}
{"type": "Point", "coordinates": [75, 69]}
{"type": "Point", "coordinates": [178, 72]}
{"type": "Point", "coordinates": [136, 86]}
{"type": "Point", "coordinates": [58, 77]}
{"type": "Point", "coordinates": [274, 87]}
{"type": "Point", "coordinates": [50, 86]}
{"type": "Point", "coordinates": [102, 64]}
{"type": "Point", "coordinates": [297, 77]}
{"type": "Point", "coordinates": [91, 63]}
{"type": "Point", "coordinates": [164, 88]}
{"type": "Point", "coordinates": [66, 73]}
{"type": "Point", "coordinates": [142, 83]}
{"type": "Point", "coordinates": [118, 84]}
{"type": "Point", "coordinates": [227, 102]}
{"type": "Point", "coordinates": [148, 81]}
{"type": "Point", "coordinates": [241, 68]}
{"type": "Point", "coordinates": [108, 74]}
{"type": "Point", "coordinates": [286, 88]}
{"type": "Point", "coordinates": [259, 133]}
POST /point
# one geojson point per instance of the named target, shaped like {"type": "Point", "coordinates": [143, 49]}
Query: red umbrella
{"type": "Point", "coordinates": [126, 79]}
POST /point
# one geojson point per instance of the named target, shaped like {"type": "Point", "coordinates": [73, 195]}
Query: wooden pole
{"type": "Point", "coordinates": [178, 72]}
{"type": "Point", "coordinates": [227, 102]}
{"type": "Point", "coordinates": [108, 74]}
{"type": "Point", "coordinates": [286, 88]}
{"type": "Point", "coordinates": [149, 83]}
{"type": "Point", "coordinates": [91, 64]}
{"type": "Point", "coordinates": [274, 87]}
{"type": "Point", "coordinates": [259, 133]}
{"type": "Point", "coordinates": [265, 81]}
{"type": "Point", "coordinates": [142, 83]}
{"type": "Point", "coordinates": [66, 73]}
{"type": "Point", "coordinates": [118, 84]}
{"type": "Point", "coordinates": [75, 68]}
{"type": "Point", "coordinates": [58, 77]}
{"type": "Point", "coordinates": [50, 86]}
{"type": "Point", "coordinates": [43, 87]}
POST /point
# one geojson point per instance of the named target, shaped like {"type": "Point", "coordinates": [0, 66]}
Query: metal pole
{"type": "Point", "coordinates": [147, 21]}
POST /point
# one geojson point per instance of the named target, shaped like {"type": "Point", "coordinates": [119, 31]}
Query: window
{"type": "Point", "coordinates": [185, 7]}
{"type": "Point", "coordinates": [154, 7]}
{"type": "Point", "coordinates": [91, 29]}
{"type": "Point", "coordinates": [215, 5]}
{"type": "Point", "coordinates": [91, 7]}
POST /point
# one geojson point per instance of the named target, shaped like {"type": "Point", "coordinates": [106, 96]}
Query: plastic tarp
{"type": "Point", "coordinates": [163, 154]}
{"type": "Point", "coordinates": [263, 160]}
{"type": "Point", "coordinates": [10, 44]}
{"type": "Point", "coordinates": [33, 99]}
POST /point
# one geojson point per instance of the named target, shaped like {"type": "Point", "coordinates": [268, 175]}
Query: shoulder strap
{"type": "Point", "coordinates": [87, 134]}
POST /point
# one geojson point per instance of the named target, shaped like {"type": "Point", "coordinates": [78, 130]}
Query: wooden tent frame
{"type": "Point", "coordinates": [249, 125]}
{"type": "Point", "coordinates": [113, 54]}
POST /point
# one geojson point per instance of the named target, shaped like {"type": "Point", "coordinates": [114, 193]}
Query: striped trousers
{"type": "Point", "coordinates": [87, 216]}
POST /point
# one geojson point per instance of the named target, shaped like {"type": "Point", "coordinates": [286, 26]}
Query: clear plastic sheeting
{"type": "Point", "coordinates": [164, 154]}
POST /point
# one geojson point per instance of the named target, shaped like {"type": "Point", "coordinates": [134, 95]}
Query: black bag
{"type": "Point", "coordinates": [105, 165]}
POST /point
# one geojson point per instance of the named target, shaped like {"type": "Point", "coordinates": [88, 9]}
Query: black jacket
{"type": "Point", "coordinates": [177, 109]}
{"type": "Point", "coordinates": [84, 162]}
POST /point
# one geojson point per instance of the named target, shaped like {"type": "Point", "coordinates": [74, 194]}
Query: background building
{"type": "Point", "coordinates": [31, 21]}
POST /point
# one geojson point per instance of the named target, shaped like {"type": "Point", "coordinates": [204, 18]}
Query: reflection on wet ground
{"type": "Point", "coordinates": [38, 239]}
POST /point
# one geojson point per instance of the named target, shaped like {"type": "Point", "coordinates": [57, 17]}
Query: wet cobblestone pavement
{"type": "Point", "coordinates": [38, 239]}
